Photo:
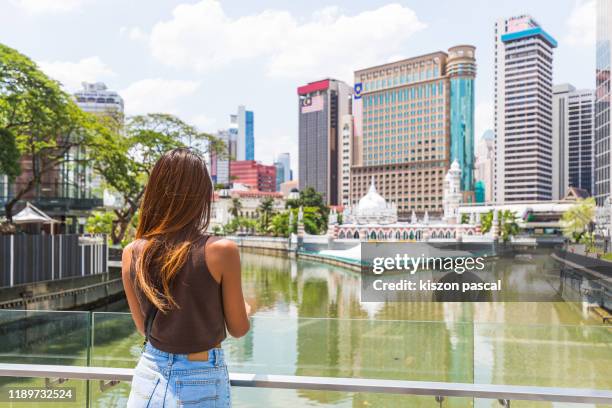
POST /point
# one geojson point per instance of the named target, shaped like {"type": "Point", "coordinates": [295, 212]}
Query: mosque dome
{"type": "Point", "coordinates": [372, 201]}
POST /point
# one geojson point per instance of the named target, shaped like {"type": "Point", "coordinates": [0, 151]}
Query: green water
{"type": "Point", "coordinates": [308, 321]}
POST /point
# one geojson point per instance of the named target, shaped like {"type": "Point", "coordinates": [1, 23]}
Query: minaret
{"type": "Point", "coordinates": [453, 196]}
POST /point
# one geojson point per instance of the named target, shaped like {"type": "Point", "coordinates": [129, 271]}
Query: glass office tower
{"type": "Point", "coordinates": [461, 68]}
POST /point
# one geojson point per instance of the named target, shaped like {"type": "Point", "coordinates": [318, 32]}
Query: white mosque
{"type": "Point", "coordinates": [375, 219]}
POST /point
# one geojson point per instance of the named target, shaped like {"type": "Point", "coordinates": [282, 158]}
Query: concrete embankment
{"type": "Point", "coordinates": [281, 246]}
{"type": "Point", "coordinates": [64, 294]}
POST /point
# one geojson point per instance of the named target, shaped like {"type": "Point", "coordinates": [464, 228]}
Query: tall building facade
{"type": "Point", "coordinates": [255, 175]}
{"type": "Point", "coordinates": [96, 98]}
{"type": "Point", "coordinates": [243, 123]}
{"type": "Point", "coordinates": [573, 140]}
{"type": "Point", "coordinates": [322, 104]}
{"type": "Point", "coordinates": [461, 69]}
{"type": "Point", "coordinates": [345, 158]}
{"type": "Point", "coordinates": [523, 110]}
{"type": "Point", "coordinates": [603, 139]}
{"type": "Point", "coordinates": [285, 160]}
{"type": "Point", "coordinates": [403, 114]}
{"type": "Point", "coordinates": [220, 163]}
{"type": "Point", "coordinates": [483, 173]}
{"type": "Point", "coordinates": [280, 174]}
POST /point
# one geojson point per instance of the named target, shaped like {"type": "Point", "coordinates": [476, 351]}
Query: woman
{"type": "Point", "coordinates": [183, 288]}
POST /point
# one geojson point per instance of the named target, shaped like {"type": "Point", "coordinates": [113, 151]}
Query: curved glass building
{"type": "Point", "coordinates": [461, 69]}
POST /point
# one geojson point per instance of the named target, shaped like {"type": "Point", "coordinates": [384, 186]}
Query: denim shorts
{"type": "Point", "coordinates": [171, 380]}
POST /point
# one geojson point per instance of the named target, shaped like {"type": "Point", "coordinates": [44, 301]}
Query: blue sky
{"type": "Point", "coordinates": [200, 59]}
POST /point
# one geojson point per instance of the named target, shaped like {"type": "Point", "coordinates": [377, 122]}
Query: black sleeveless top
{"type": "Point", "coordinates": [198, 323]}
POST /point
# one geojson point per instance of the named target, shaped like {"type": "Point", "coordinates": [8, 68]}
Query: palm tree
{"type": "Point", "coordinates": [236, 207]}
{"type": "Point", "coordinates": [577, 221]}
{"type": "Point", "coordinates": [266, 209]}
{"type": "Point", "coordinates": [508, 225]}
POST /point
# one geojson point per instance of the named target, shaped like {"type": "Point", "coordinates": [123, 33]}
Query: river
{"type": "Point", "coordinates": [308, 320]}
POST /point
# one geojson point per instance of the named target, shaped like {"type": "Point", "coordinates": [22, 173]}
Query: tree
{"type": "Point", "coordinates": [236, 207]}
{"type": "Point", "coordinates": [315, 210]}
{"type": "Point", "coordinates": [266, 210]}
{"type": "Point", "coordinates": [125, 160]}
{"type": "Point", "coordinates": [506, 223]}
{"type": "Point", "coordinates": [45, 123]}
{"type": "Point", "coordinates": [9, 155]}
{"type": "Point", "coordinates": [100, 222]}
{"type": "Point", "coordinates": [577, 221]}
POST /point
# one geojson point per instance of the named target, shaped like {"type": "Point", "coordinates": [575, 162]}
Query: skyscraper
{"type": "Point", "coordinates": [243, 123]}
{"type": "Point", "coordinates": [321, 106]}
{"type": "Point", "coordinates": [285, 160]}
{"type": "Point", "coordinates": [573, 155]}
{"type": "Point", "coordinates": [403, 114]}
{"type": "Point", "coordinates": [603, 139]}
{"type": "Point", "coordinates": [345, 158]}
{"type": "Point", "coordinates": [461, 68]}
{"type": "Point", "coordinates": [96, 98]}
{"type": "Point", "coordinates": [483, 172]}
{"type": "Point", "coordinates": [280, 174]}
{"type": "Point", "coordinates": [523, 110]}
{"type": "Point", "coordinates": [220, 163]}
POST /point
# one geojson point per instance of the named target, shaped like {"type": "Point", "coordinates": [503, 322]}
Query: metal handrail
{"type": "Point", "coordinates": [436, 389]}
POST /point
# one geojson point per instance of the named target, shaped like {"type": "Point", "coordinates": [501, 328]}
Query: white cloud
{"type": "Point", "coordinates": [203, 37]}
{"type": "Point", "coordinates": [581, 24]}
{"type": "Point", "coordinates": [156, 95]}
{"type": "Point", "coordinates": [71, 74]}
{"type": "Point", "coordinates": [204, 123]}
{"type": "Point", "coordinates": [134, 33]}
{"type": "Point", "coordinates": [49, 6]}
{"type": "Point", "coordinates": [483, 118]}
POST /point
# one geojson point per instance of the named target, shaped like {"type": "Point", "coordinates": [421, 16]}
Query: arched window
{"type": "Point", "coordinates": [341, 235]}
{"type": "Point", "coordinates": [373, 235]}
{"type": "Point", "coordinates": [418, 235]}
{"type": "Point", "coordinates": [356, 235]}
{"type": "Point", "coordinates": [405, 235]}
{"type": "Point", "coordinates": [397, 235]}
{"type": "Point", "coordinates": [411, 234]}
{"type": "Point", "coordinates": [433, 234]}
{"type": "Point", "coordinates": [381, 235]}
{"type": "Point", "coordinates": [448, 235]}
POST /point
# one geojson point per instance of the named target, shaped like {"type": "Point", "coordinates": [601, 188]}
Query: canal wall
{"type": "Point", "coordinates": [64, 294]}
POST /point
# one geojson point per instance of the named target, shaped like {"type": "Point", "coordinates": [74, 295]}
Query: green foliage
{"type": "Point", "coordinates": [507, 224]}
{"type": "Point", "coordinates": [266, 211]}
{"type": "Point", "coordinates": [607, 256]}
{"type": "Point", "coordinates": [100, 222]}
{"type": "Point", "coordinates": [40, 120]}
{"type": "Point", "coordinates": [279, 225]}
{"type": "Point", "coordinates": [236, 207]}
{"type": "Point", "coordinates": [315, 211]}
{"type": "Point", "coordinates": [125, 159]}
{"type": "Point", "coordinates": [9, 155]}
{"type": "Point", "coordinates": [241, 224]}
{"type": "Point", "coordinates": [577, 220]}
{"type": "Point", "coordinates": [465, 218]}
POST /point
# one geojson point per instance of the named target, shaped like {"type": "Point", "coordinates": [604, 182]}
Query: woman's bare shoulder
{"type": "Point", "coordinates": [221, 247]}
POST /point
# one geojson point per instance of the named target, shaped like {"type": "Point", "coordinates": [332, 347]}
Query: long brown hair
{"type": "Point", "coordinates": [174, 212]}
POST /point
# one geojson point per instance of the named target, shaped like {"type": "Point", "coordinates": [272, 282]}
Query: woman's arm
{"type": "Point", "coordinates": [223, 261]}
{"type": "Point", "coordinates": [128, 286]}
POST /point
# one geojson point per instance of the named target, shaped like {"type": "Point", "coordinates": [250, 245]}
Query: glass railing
{"type": "Point", "coordinates": [565, 356]}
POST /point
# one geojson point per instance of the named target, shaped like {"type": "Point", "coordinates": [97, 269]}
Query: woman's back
{"type": "Point", "coordinates": [197, 323]}
{"type": "Point", "coordinates": [183, 288]}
